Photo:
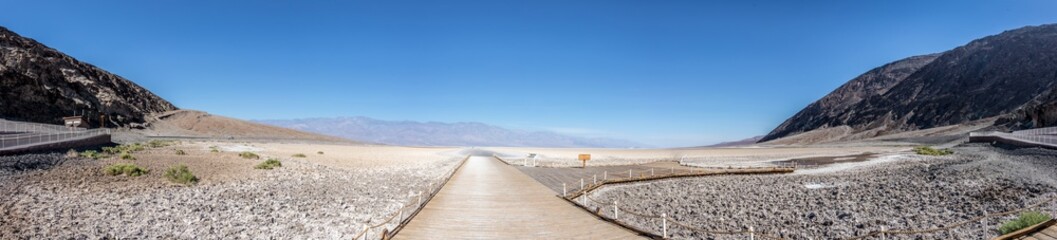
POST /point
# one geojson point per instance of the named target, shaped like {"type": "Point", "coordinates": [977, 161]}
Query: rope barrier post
{"type": "Point", "coordinates": [752, 234]}
{"type": "Point", "coordinates": [664, 225]}
{"type": "Point", "coordinates": [616, 211]}
{"type": "Point", "coordinates": [563, 190]}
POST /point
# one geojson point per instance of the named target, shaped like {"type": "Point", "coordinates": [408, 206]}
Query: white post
{"type": "Point", "coordinates": [882, 233]}
{"type": "Point", "coordinates": [563, 190]}
{"type": "Point", "coordinates": [752, 234]}
{"type": "Point", "coordinates": [652, 173]}
{"type": "Point", "coordinates": [583, 199]}
{"type": "Point", "coordinates": [629, 173]}
{"type": "Point", "coordinates": [605, 175]}
{"type": "Point", "coordinates": [581, 184]}
{"type": "Point", "coordinates": [616, 211]}
{"type": "Point", "coordinates": [664, 225]}
{"type": "Point", "coordinates": [366, 231]}
{"type": "Point", "coordinates": [420, 199]}
{"type": "Point", "coordinates": [595, 180]}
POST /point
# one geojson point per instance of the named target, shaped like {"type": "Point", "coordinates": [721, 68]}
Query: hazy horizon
{"type": "Point", "coordinates": [666, 74]}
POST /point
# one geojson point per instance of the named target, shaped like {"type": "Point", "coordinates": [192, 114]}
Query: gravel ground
{"type": "Point", "coordinates": [913, 192]}
{"type": "Point", "coordinates": [300, 200]}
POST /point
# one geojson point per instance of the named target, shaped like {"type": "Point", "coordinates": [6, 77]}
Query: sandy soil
{"type": "Point", "coordinates": [901, 192]}
{"type": "Point", "coordinates": [328, 196]}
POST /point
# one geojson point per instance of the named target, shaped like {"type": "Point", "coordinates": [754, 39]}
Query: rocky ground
{"type": "Point", "coordinates": [912, 192]}
{"type": "Point", "coordinates": [303, 199]}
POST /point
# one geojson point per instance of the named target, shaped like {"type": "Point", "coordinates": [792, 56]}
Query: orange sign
{"type": "Point", "coordinates": [585, 157]}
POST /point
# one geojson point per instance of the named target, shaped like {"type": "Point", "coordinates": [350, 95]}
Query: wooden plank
{"type": "Point", "coordinates": [487, 199]}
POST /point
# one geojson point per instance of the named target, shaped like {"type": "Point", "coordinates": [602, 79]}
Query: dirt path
{"type": "Point", "coordinates": [487, 199]}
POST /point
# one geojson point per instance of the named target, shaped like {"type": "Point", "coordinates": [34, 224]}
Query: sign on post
{"type": "Point", "coordinates": [584, 158]}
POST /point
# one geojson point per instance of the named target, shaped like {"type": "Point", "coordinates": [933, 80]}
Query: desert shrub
{"type": "Point", "coordinates": [214, 149]}
{"type": "Point", "coordinates": [180, 152]}
{"type": "Point", "coordinates": [91, 154]}
{"type": "Point", "coordinates": [300, 155]}
{"type": "Point", "coordinates": [72, 153]}
{"type": "Point", "coordinates": [124, 148]}
{"type": "Point", "coordinates": [180, 174]}
{"type": "Point", "coordinates": [925, 150]}
{"type": "Point", "coordinates": [126, 169]}
{"type": "Point", "coordinates": [127, 156]}
{"type": "Point", "coordinates": [159, 143]}
{"type": "Point", "coordinates": [111, 150]}
{"type": "Point", "coordinates": [1026, 219]}
{"type": "Point", "coordinates": [269, 164]}
{"type": "Point", "coordinates": [320, 152]}
{"type": "Point", "coordinates": [249, 155]}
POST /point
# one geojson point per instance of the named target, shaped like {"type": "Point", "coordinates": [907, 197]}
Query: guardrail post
{"type": "Point", "coordinates": [664, 225]}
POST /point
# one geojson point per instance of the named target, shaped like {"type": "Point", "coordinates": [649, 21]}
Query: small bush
{"type": "Point", "coordinates": [180, 174]}
{"type": "Point", "coordinates": [269, 164]}
{"type": "Point", "coordinates": [214, 149]}
{"type": "Point", "coordinates": [126, 169]}
{"type": "Point", "coordinates": [1026, 219]}
{"type": "Point", "coordinates": [111, 150]}
{"type": "Point", "coordinates": [127, 156]}
{"type": "Point", "coordinates": [249, 155]}
{"type": "Point", "coordinates": [180, 152]}
{"type": "Point", "coordinates": [320, 152]}
{"type": "Point", "coordinates": [300, 155]}
{"type": "Point", "coordinates": [924, 150]}
{"type": "Point", "coordinates": [159, 143]}
{"type": "Point", "coordinates": [91, 154]}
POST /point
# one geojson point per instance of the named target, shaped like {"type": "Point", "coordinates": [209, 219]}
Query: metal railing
{"type": "Point", "coordinates": [15, 126]}
{"type": "Point", "coordinates": [28, 139]}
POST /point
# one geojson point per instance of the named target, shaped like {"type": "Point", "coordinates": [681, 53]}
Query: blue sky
{"type": "Point", "coordinates": [667, 73]}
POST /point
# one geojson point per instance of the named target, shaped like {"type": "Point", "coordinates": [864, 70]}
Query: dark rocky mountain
{"type": "Point", "coordinates": [1010, 75]}
{"type": "Point", "coordinates": [411, 133]}
{"type": "Point", "coordinates": [41, 84]}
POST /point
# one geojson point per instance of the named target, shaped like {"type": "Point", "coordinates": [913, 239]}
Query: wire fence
{"type": "Point", "coordinates": [395, 221]}
{"type": "Point", "coordinates": [25, 127]}
{"type": "Point", "coordinates": [614, 212]}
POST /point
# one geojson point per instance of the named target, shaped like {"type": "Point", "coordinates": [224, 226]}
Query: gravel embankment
{"type": "Point", "coordinates": [913, 193]}
{"type": "Point", "coordinates": [300, 200]}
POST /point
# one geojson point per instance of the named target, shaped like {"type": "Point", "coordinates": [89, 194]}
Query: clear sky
{"type": "Point", "coordinates": [667, 73]}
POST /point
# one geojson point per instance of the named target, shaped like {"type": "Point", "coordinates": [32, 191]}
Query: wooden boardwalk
{"type": "Point", "coordinates": [487, 199]}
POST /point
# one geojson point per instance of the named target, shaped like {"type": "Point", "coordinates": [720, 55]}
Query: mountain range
{"type": "Point", "coordinates": [1007, 79]}
{"type": "Point", "coordinates": [412, 133]}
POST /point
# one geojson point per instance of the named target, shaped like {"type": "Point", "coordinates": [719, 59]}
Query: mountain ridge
{"type": "Point", "coordinates": [43, 84]}
{"type": "Point", "coordinates": [1010, 75]}
{"type": "Point", "coordinates": [433, 133]}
